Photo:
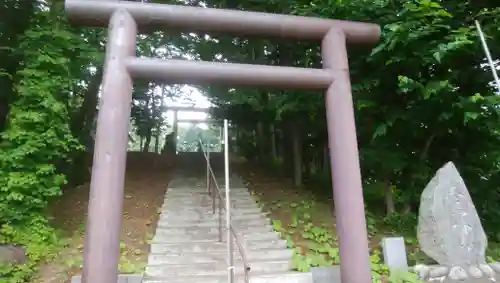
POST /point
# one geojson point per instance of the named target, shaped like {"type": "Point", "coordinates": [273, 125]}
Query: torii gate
{"type": "Point", "coordinates": [176, 120]}
{"type": "Point", "coordinates": [123, 18]}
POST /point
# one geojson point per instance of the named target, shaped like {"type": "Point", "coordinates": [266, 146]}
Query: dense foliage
{"type": "Point", "coordinates": [423, 96]}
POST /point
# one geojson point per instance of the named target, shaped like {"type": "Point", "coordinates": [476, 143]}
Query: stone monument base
{"type": "Point", "coordinates": [332, 275]}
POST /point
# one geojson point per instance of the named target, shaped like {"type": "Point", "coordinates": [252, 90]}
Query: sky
{"type": "Point", "coordinates": [196, 99]}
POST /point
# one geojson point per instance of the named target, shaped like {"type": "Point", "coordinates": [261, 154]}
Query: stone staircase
{"type": "Point", "coordinates": [186, 245]}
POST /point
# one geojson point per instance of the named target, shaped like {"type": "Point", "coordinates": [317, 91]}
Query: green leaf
{"type": "Point", "coordinates": [381, 130]}
{"type": "Point", "coordinates": [469, 116]}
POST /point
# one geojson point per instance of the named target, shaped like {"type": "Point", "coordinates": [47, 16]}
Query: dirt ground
{"type": "Point", "coordinates": [146, 180]}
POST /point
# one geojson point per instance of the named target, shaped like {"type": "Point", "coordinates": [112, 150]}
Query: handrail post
{"type": "Point", "coordinates": [213, 197]}
{"type": "Point", "coordinates": [211, 190]}
{"type": "Point", "coordinates": [230, 253]}
{"type": "Point", "coordinates": [208, 169]}
{"type": "Point", "coordinates": [220, 220]}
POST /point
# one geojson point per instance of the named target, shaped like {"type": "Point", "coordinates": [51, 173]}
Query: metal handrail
{"type": "Point", "coordinates": [212, 179]}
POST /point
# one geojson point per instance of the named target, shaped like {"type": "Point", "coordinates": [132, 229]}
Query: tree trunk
{"type": "Point", "coordinates": [411, 203]}
{"type": "Point", "coordinates": [297, 156]}
{"type": "Point", "coordinates": [82, 127]}
{"type": "Point", "coordinates": [157, 143]}
{"type": "Point", "coordinates": [274, 150]}
{"type": "Point", "coordinates": [147, 142]}
{"type": "Point", "coordinates": [261, 142]}
{"type": "Point", "coordinates": [83, 121]}
{"type": "Point", "coordinates": [326, 159]}
{"type": "Point", "coordinates": [175, 132]}
{"type": "Point", "coordinates": [160, 121]}
{"type": "Point", "coordinates": [149, 121]}
{"type": "Point", "coordinates": [389, 200]}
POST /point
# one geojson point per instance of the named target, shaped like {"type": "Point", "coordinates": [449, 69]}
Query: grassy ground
{"type": "Point", "coordinates": [307, 221]}
{"type": "Point", "coordinates": [145, 186]}
{"type": "Point", "coordinates": [303, 218]}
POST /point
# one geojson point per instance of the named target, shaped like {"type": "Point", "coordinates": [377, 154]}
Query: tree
{"type": "Point", "coordinates": [428, 101]}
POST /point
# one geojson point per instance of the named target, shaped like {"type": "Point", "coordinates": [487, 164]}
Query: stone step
{"type": "Point", "coordinates": [187, 238]}
{"type": "Point", "coordinates": [205, 195]}
{"type": "Point", "coordinates": [180, 223]}
{"type": "Point", "coordinates": [122, 278]}
{"type": "Point", "coordinates": [278, 277]}
{"type": "Point", "coordinates": [220, 268]}
{"type": "Point", "coordinates": [204, 214]}
{"type": "Point", "coordinates": [195, 200]}
{"type": "Point", "coordinates": [202, 183]}
{"type": "Point", "coordinates": [188, 196]}
{"type": "Point", "coordinates": [208, 208]}
{"type": "Point", "coordinates": [276, 254]}
{"type": "Point", "coordinates": [189, 185]}
{"type": "Point", "coordinates": [205, 207]}
{"type": "Point", "coordinates": [189, 217]}
{"type": "Point", "coordinates": [208, 212]}
{"type": "Point", "coordinates": [167, 231]}
{"type": "Point", "coordinates": [206, 204]}
{"type": "Point", "coordinates": [204, 191]}
{"type": "Point", "coordinates": [213, 246]}
{"type": "Point", "coordinates": [201, 217]}
{"type": "Point", "coordinates": [234, 186]}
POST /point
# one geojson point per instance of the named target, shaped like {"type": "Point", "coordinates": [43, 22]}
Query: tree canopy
{"type": "Point", "coordinates": [423, 96]}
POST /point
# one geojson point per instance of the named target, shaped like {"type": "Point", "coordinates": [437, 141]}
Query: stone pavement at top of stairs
{"type": "Point", "coordinates": [186, 246]}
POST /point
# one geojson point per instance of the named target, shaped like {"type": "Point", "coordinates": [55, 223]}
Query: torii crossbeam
{"type": "Point", "coordinates": [123, 18]}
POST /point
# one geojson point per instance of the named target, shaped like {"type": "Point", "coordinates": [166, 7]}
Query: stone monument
{"type": "Point", "coordinates": [450, 231]}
